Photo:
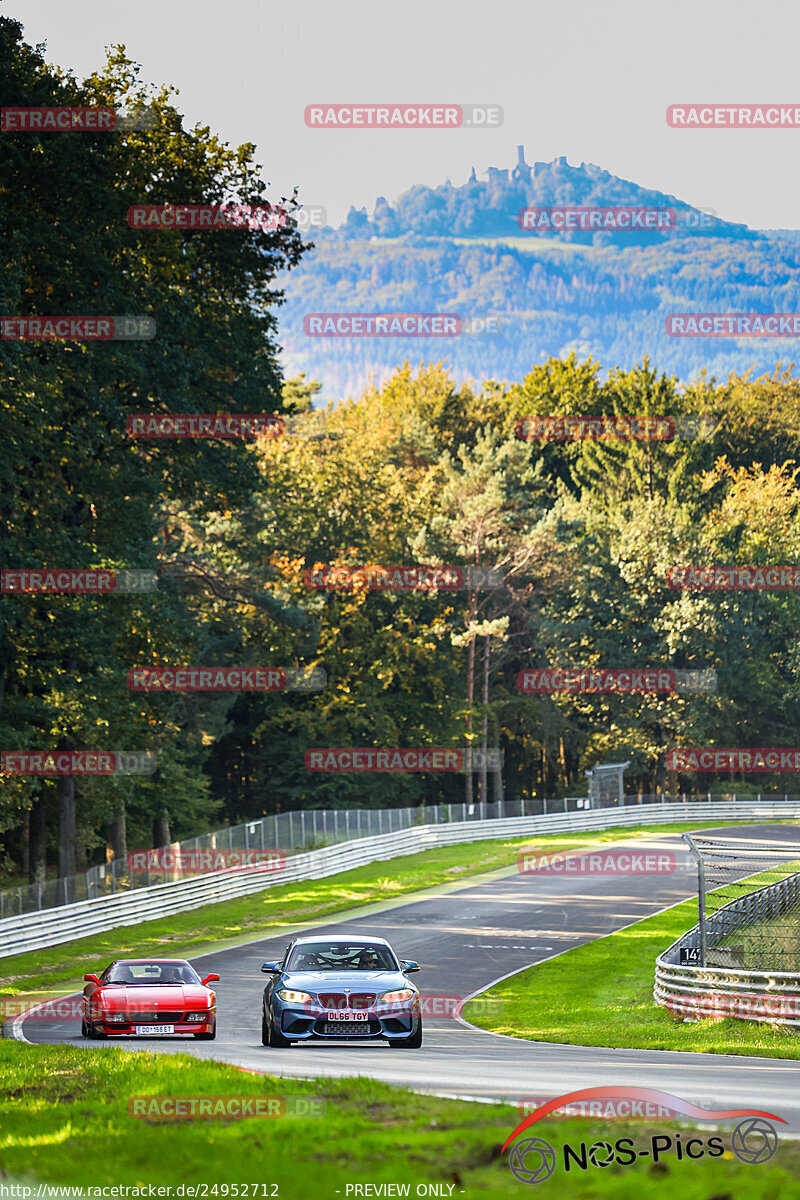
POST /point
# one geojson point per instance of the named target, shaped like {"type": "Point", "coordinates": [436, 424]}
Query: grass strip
{"type": "Point", "coordinates": [65, 1120]}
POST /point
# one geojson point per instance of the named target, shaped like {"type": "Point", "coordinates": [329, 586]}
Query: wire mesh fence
{"type": "Point", "coordinates": [748, 902]}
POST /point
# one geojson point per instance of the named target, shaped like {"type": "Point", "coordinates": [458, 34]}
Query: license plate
{"type": "Point", "coordinates": [151, 1029]}
{"type": "Point", "coordinates": [346, 1015]}
{"type": "Point", "coordinates": [351, 1027]}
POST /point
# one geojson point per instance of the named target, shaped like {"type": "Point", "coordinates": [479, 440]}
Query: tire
{"type": "Point", "coordinates": [264, 1029]}
{"type": "Point", "coordinates": [276, 1040]}
{"type": "Point", "coordinates": [207, 1037]}
{"type": "Point", "coordinates": [412, 1043]}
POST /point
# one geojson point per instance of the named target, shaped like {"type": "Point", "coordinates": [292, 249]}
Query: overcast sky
{"type": "Point", "coordinates": [582, 78]}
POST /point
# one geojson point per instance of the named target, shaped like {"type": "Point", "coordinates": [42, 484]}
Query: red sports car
{"type": "Point", "coordinates": [149, 997]}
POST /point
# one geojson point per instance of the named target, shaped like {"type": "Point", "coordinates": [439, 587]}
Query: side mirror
{"type": "Point", "coordinates": [272, 968]}
{"type": "Point", "coordinates": [93, 979]}
{"type": "Point", "coordinates": [409, 965]}
{"type": "Point", "coordinates": [210, 979]}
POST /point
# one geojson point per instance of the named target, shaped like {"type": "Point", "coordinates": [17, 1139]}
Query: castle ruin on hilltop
{"type": "Point", "coordinates": [522, 172]}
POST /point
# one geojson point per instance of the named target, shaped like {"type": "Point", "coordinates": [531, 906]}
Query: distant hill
{"type": "Point", "coordinates": [599, 292]}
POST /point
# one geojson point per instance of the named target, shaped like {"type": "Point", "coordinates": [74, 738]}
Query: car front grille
{"type": "Point", "coordinates": [152, 1018]}
{"type": "Point", "coordinates": [362, 999]}
{"type": "Point", "coordinates": [333, 999]}
{"type": "Point", "coordinates": [339, 1001]}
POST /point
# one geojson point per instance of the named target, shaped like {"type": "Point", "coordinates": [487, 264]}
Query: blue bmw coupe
{"type": "Point", "coordinates": [340, 989]}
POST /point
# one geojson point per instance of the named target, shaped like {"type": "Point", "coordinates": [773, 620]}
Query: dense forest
{"type": "Point", "coordinates": [421, 469]}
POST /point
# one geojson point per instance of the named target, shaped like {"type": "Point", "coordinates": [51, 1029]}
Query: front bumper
{"type": "Point", "coordinates": [128, 1028]}
{"type": "Point", "coordinates": [304, 1023]}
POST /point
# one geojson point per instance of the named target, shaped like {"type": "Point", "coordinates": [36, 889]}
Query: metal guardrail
{"type": "Point", "coordinates": [52, 927]}
{"type": "Point", "coordinates": [293, 832]}
{"type": "Point", "coordinates": [718, 991]}
{"type": "Point", "coordinates": [289, 832]}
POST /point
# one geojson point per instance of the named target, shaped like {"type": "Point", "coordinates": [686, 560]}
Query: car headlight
{"type": "Point", "coordinates": [198, 1016]}
{"type": "Point", "coordinates": [398, 997]}
{"type": "Point", "coordinates": [295, 997]}
{"type": "Point", "coordinates": [116, 1018]}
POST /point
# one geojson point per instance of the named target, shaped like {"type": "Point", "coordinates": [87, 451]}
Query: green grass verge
{"type": "Point", "coordinates": [64, 1120]}
{"type": "Point", "coordinates": [773, 944]}
{"type": "Point", "coordinates": [601, 994]}
{"type": "Point", "coordinates": [276, 907]}
{"type": "Point", "coordinates": [770, 945]}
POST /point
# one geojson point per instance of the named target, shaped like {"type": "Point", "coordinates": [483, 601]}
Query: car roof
{"type": "Point", "coordinates": [358, 940]}
{"type": "Point", "coordinates": [172, 961]}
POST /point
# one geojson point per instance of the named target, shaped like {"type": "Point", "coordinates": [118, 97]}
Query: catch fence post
{"type": "Point", "coordinates": [701, 895]}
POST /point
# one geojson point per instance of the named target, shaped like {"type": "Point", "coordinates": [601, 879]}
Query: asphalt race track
{"type": "Point", "coordinates": [464, 940]}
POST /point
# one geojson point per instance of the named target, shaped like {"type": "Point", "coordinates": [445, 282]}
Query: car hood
{"type": "Point", "coordinates": [155, 996]}
{"type": "Point", "coordinates": [337, 981]}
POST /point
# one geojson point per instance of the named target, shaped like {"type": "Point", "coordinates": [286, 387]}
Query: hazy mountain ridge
{"type": "Point", "coordinates": [460, 249]}
{"type": "Point", "coordinates": [490, 208]}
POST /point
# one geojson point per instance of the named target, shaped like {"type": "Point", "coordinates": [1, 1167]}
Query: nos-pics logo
{"type": "Point", "coordinates": [754, 1139]}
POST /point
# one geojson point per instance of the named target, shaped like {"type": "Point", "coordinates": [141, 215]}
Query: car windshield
{"type": "Point", "coordinates": [143, 973]}
{"type": "Point", "coordinates": [341, 956]}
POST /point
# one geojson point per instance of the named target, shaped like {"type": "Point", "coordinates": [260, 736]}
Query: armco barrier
{"type": "Point", "coordinates": [293, 832]}
{"type": "Point", "coordinates": [51, 927]}
{"type": "Point", "coordinates": [746, 995]}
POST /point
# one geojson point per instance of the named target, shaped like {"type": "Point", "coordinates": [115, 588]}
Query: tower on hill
{"type": "Point", "coordinates": [521, 170]}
